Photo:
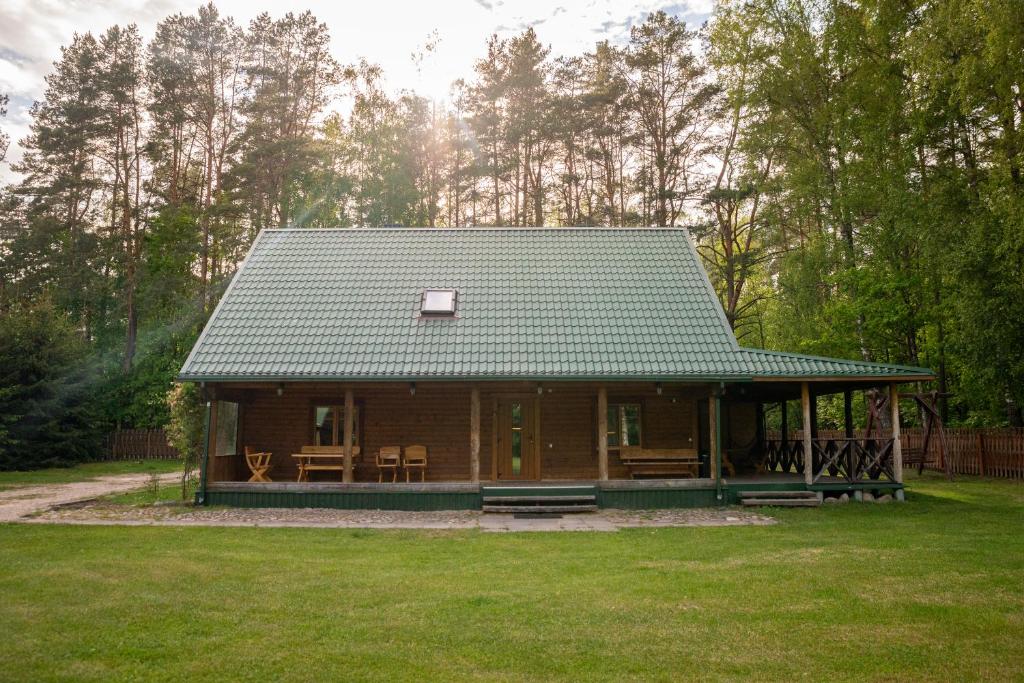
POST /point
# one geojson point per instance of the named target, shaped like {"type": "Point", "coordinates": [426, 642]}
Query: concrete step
{"type": "Point", "coordinates": [540, 508]}
{"type": "Point", "coordinates": [538, 499]}
{"type": "Point", "coordinates": [778, 494]}
{"type": "Point", "coordinates": [553, 490]}
{"type": "Point", "coordinates": [782, 502]}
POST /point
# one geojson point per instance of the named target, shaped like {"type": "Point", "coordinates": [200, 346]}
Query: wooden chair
{"type": "Point", "coordinates": [388, 458]}
{"type": "Point", "coordinates": [259, 464]}
{"type": "Point", "coordinates": [415, 458]}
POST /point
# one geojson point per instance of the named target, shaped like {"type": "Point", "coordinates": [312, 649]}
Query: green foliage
{"type": "Point", "coordinates": [894, 204]}
{"type": "Point", "coordinates": [48, 389]}
{"type": "Point", "coordinates": [185, 429]}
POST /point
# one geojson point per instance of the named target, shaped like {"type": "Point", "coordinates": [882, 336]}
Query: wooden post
{"type": "Point", "coordinates": [474, 434]}
{"type": "Point", "coordinates": [805, 402]}
{"type": "Point", "coordinates": [204, 466]}
{"type": "Point", "coordinates": [897, 446]}
{"type": "Point", "coordinates": [350, 410]}
{"type": "Point", "coordinates": [602, 434]}
{"type": "Point", "coordinates": [715, 440]}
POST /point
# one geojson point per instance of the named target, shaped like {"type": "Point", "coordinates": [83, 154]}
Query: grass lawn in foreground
{"type": "Point", "coordinates": [89, 470]}
{"type": "Point", "coordinates": [930, 590]}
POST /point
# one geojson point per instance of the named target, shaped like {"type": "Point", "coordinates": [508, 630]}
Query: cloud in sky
{"type": "Point", "coordinates": [387, 33]}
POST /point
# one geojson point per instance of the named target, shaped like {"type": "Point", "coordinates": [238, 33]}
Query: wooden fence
{"type": "Point", "coordinates": [138, 444]}
{"type": "Point", "coordinates": [994, 452]}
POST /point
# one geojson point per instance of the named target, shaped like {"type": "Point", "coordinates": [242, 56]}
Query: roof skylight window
{"type": "Point", "coordinates": [439, 302]}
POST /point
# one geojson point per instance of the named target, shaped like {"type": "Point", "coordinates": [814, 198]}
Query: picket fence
{"type": "Point", "coordinates": [139, 444]}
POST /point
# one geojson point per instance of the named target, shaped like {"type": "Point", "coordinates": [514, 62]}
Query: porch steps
{"type": "Point", "coordinates": [551, 499]}
{"type": "Point", "coordinates": [548, 509]}
{"type": "Point", "coordinates": [788, 499]}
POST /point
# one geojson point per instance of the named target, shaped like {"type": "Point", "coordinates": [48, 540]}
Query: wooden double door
{"type": "Point", "coordinates": [516, 438]}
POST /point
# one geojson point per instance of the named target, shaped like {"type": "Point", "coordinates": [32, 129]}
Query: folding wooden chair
{"type": "Point", "coordinates": [259, 464]}
{"type": "Point", "coordinates": [415, 458]}
{"type": "Point", "coordinates": [388, 458]}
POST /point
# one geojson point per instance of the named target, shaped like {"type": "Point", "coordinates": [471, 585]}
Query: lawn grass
{"type": "Point", "coordinates": [929, 590]}
{"type": "Point", "coordinates": [89, 470]}
{"type": "Point", "coordinates": [162, 494]}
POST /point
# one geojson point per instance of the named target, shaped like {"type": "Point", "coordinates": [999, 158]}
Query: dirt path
{"type": "Point", "coordinates": [20, 501]}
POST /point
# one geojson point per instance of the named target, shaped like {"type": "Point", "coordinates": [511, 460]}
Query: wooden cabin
{"type": "Point", "coordinates": [459, 368]}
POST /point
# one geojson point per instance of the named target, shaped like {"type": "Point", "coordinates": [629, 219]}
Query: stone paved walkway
{"type": "Point", "coordinates": [20, 501]}
{"type": "Point", "coordinates": [105, 513]}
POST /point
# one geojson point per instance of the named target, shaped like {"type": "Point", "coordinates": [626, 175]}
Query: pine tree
{"type": "Point", "coordinates": [290, 77]}
{"type": "Point", "coordinates": [669, 97]}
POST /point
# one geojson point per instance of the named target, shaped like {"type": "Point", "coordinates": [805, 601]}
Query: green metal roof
{"type": "Point", "coordinates": [539, 303]}
{"type": "Point", "coordinates": [778, 364]}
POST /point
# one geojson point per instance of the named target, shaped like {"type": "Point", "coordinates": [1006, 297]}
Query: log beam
{"type": "Point", "coordinates": [805, 402]}
{"type": "Point", "coordinates": [897, 446]}
{"type": "Point", "coordinates": [714, 447]}
{"type": "Point", "coordinates": [474, 434]}
{"type": "Point", "coordinates": [602, 434]}
{"type": "Point", "coordinates": [347, 435]}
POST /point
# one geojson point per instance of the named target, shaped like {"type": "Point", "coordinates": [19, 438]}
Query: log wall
{"type": "Point", "coordinates": [438, 417]}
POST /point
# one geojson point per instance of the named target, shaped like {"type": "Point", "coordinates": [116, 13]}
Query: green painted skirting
{"type": "Point", "coordinates": [649, 499]}
{"type": "Point", "coordinates": [374, 500]}
{"type": "Point", "coordinates": [617, 495]}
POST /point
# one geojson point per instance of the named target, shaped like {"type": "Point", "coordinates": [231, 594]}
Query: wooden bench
{"type": "Point", "coordinates": [663, 461]}
{"type": "Point", "coordinates": [312, 458]}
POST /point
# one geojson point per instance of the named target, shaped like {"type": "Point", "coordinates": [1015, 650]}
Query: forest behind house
{"type": "Point", "coordinates": [850, 171]}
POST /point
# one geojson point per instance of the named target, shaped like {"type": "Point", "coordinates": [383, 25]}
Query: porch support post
{"type": "Point", "coordinates": [851, 464]}
{"type": "Point", "coordinates": [715, 439]}
{"type": "Point", "coordinates": [474, 434]}
{"type": "Point", "coordinates": [204, 465]}
{"type": "Point", "coordinates": [805, 401]}
{"type": "Point", "coordinates": [897, 446]}
{"type": "Point", "coordinates": [602, 434]}
{"type": "Point", "coordinates": [211, 441]}
{"type": "Point", "coordinates": [350, 410]}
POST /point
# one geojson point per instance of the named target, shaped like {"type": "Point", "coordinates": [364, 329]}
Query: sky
{"type": "Point", "coordinates": [386, 32]}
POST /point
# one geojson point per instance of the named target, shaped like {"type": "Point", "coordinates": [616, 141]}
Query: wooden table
{"type": "Point", "coordinates": [321, 460]}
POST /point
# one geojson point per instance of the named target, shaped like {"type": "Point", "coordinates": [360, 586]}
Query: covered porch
{"type": "Point", "coordinates": [630, 444]}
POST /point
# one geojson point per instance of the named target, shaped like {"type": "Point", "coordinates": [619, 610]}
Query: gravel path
{"type": "Point", "coordinates": [106, 513]}
{"type": "Point", "coordinates": [21, 501]}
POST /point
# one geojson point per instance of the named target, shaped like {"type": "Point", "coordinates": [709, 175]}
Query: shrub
{"type": "Point", "coordinates": [185, 430]}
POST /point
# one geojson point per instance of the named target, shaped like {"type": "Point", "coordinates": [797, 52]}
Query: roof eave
{"type": "Point", "coordinates": [910, 377]}
{"type": "Point", "coordinates": [186, 377]}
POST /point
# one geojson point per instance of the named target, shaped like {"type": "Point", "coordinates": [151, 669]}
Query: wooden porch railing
{"type": "Point", "coordinates": [852, 460]}
{"type": "Point", "coordinates": [989, 451]}
{"type": "Point", "coordinates": [788, 457]}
